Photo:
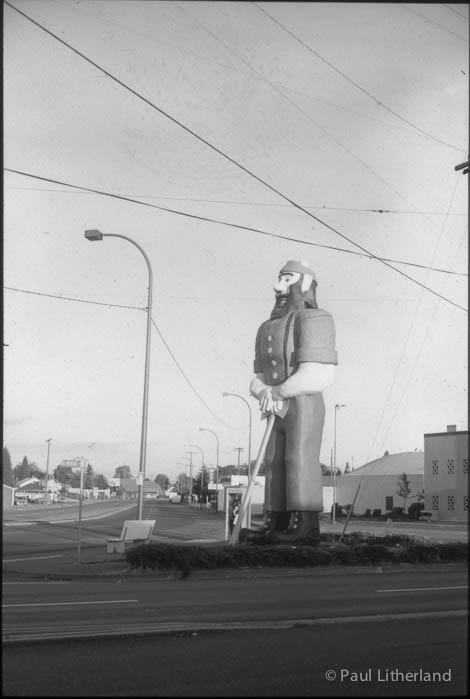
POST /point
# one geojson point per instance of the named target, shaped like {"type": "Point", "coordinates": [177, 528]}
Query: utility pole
{"type": "Point", "coordinates": [46, 494]}
{"type": "Point", "coordinates": [191, 476]}
{"type": "Point", "coordinates": [80, 504]}
{"type": "Point", "coordinates": [239, 449]}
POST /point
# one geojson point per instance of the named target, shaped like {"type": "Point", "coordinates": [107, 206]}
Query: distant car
{"type": "Point", "coordinates": [174, 497]}
{"type": "Point", "coordinates": [62, 499]}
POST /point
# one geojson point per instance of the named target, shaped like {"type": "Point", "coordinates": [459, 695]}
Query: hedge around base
{"type": "Point", "coordinates": [354, 549]}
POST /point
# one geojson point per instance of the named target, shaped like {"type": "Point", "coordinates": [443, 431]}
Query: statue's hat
{"type": "Point", "coordinates": [298, 267]}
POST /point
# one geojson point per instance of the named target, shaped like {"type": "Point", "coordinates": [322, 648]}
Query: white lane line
{"type": "Point", "coordinates": [67, 604]}
{"type": "Point", "coordinates": [34, 558]}
{"type": "Point", "coordinates": [420, 589]}
{"type": "Point", "coordinates": [38, 582]}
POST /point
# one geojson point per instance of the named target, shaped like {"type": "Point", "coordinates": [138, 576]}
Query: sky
{"type": "Point", "coordinates": [325, 132]}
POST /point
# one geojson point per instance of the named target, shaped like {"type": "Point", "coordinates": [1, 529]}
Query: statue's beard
{"type": "Point", "coordinates": [286, 303]}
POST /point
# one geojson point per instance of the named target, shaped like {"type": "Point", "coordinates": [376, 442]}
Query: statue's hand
{"type": "Point", "coordinates": [266, 404]}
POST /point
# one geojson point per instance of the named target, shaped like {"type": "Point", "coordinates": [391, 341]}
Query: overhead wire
{"type": "Point", "coordinates": [211, 61]}
{"type": "Point", "coordinates": [234, 202]}
{"type": "Point", "coordinates": [418, 354]}
{"type": "Point", "coordinates": [402, 354]}
{"type": "Point", "coordinates": [138, 308]}
{"type": "Point", "coordinates": [296, 106]}
{"type": "Point", "coordinates": [436, 24]}
{"type": "Point", "coordinates": [227, 223]}
{"type": "Point", "coordinates": [456, 11]}
{"type": "Point", "coordinates": [378, 102]}
{"type": "Point", "coordinates": [221, 153]}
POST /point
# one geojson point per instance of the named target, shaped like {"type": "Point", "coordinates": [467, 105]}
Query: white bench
{"type": "Point", "coordinates": [133, 531]}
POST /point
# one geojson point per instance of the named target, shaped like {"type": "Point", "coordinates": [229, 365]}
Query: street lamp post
{"type": "Point", "coordinates": [225, 394]}
{"type": "Point", "coordinates": [97, 235]}
{"type": "Point", "coordinates": [204, 429]}
{"type": "Point", "coordinates": [337, 407]}
{"type": "Point", "coordinates": [46, 494]}
{"type": "Point", "coordinates": [202, 465]}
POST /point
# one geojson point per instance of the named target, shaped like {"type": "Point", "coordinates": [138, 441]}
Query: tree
{"type": "Point", "coordinates": [403, 489]}
{"type": "Point", "coordinates": [182, 484]}
{"type": "Point", "coordinates": [36, 471]}
{"type": "Point", "coordinates": [89, 477]}
{"type": "Point", "coordinates": [202, 479]}
{"type": "Point", "coordinates": [123, 472]}
{"type": "Point", "coordinates": [7, 471]}
{"type": "Point", "coordinates": [63, 474]}
{"type": "Point", "coordinates": [101, 481]}
{"type": "Point", "coordinates": [163, 481]}
{"type": "Point", "coordinates": [22, 470]}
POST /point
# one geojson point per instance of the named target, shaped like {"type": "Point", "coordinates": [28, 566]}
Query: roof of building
{"type": "Point", "coordinates": [130, 486]}
{"type": "Point", "coordinates": [392, 464]}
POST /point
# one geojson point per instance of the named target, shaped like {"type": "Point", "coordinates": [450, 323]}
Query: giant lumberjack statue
{"type": "Point", "coordinates": [295, 359]}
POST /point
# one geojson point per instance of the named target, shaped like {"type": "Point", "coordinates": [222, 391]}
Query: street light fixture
{"type": "Point", "coordinates": [225, 394]}
{"type": "Point", "coordinates": [205, 429]}
{"type": "Point", "coordinates": [337, 407]}
{"type": "Point", "coordinates": [93, 235]}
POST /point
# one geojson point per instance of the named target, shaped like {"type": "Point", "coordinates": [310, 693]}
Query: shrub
{"type": "Point", "coordinates": [355, 548]}
{"type": "Point", "coordinates": [377, 513]}
{"type": "Point", "coordinates": [397, 512]}
{"type": "Point", "coordinates": [367, 512]}
{"type": "Point", "coordinates": [414, 509]}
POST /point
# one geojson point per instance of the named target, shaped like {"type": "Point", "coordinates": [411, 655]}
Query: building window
{"type": "Point", "coordinates": [435, 502]}
{"type": "Point", "coordinates": [435, 467]}
{"type": "Point", "coordinates": [465, 502]}
{"type": "Point", "coordinates": [450, 467]}
{"type": "Point", "coordinates": [450, 502]}
{"type": "Point", "coordinates": [465, 465]}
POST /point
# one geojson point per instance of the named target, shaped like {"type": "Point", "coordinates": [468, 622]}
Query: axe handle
{"type": "Point", "coordinates": [256, 468]}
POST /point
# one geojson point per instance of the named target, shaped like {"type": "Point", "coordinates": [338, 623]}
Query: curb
{"type": "Point", "coordinates": [225, 573]}
{"type": "Point", "coordinates": [195, 628]}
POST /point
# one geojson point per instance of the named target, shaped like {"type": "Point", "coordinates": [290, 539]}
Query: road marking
{"type": "Point", "coordinates": [38, 582]}
{"type": "Point", "coordinates": [34, 558]}
{"type": "Point", "coordinates": [67, 604]}
{"type": "Point", "coordinates": [420, 589]}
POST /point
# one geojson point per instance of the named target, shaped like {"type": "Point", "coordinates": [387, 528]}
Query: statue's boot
{"type": "Point", "coordinates": [304, 524]}
{"type": "Point", "coordinates": [273, 521]}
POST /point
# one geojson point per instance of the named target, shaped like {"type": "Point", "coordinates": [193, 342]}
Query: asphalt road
{"type": "Point", "coordinates": [338, 659]}
{"type": "Point", "coordinates": [251, 633]}
{"type": "Point", "coordinates": [33, 609]}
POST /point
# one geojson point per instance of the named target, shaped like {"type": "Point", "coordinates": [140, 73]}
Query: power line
{"type": "Point", "coordinates": [235, 202]}
{"type": "Point", "coordinates": [227, 157]}
{"type": "Point", "coordinates": [430, 21]}
{"type": "Point", "coordinates": [353, 82]}
{"type": "Point", "coordinates": [226, 223]}
{"type": "Point", "coordinates": [232, 68]}
{"type": "Point", "coordinates": [138, 308]}
{"type": "Point", "coordinates": [69, 298]}
{"type": "Point", "coordinates": [410, 329]}
{"type": "Point", "coordinates": [456, 11]}
{"type": "Point", "coordinates": [296, 106]}
{"type": "Point", "coordinates": [186, 377]}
